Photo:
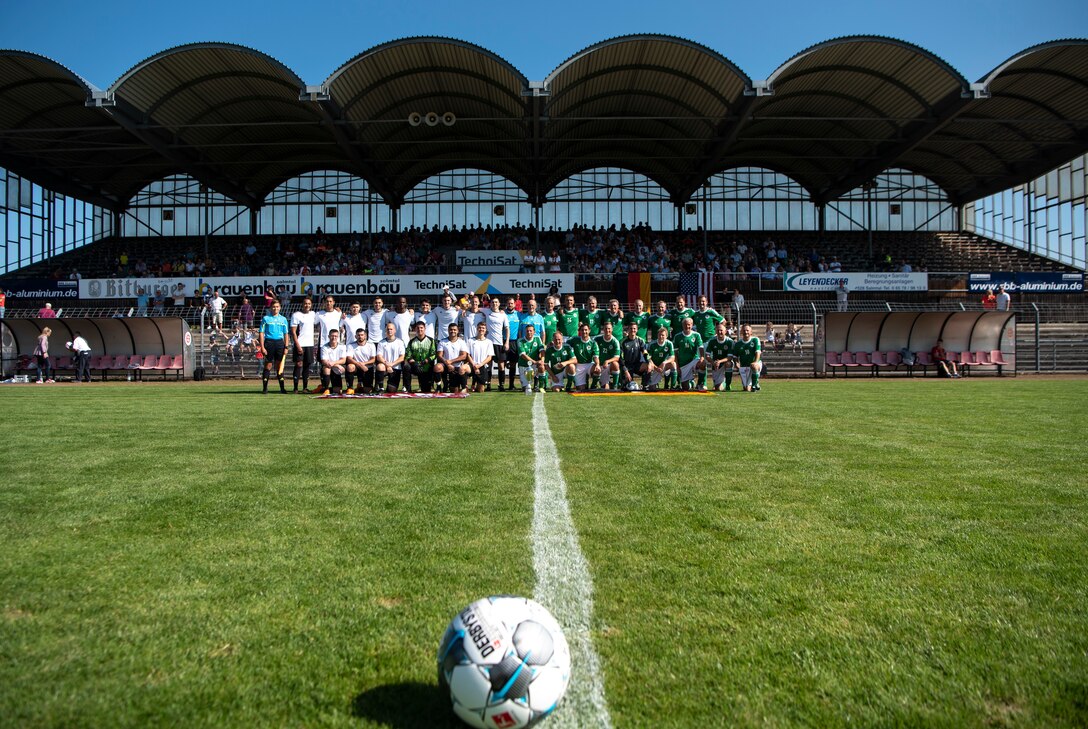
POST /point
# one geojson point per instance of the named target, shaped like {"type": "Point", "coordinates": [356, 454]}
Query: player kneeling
{"type": "Point", "coordinates": [719, 358]}
{"type": "Point", "coordinates": [481, 352]}
{"type": "Point", "coordinates": [361, 363]}
{"type": "Point", "coordinates": [588, 357]}
{"type": "Point", "coordinates": [561, 363]}
{"type": "Point", "coordinates": [633, 359]}
{"type": "Point", "coordinates": [749, 351]}
{"type": "Point", "coordinates": [689, 356]}
{"type": "Point", "coordinates": [420, 356]}
{"type": "Point", "coordinates": [333, 358]}
{"type": "Point", "coordinates": [662, 360]}
{"type": "Point", "coordinates": [452, 365]}
{"type": "Point", "coordinates": [531, 359]}
{"type": "Point", "coordinates": [390, 359]}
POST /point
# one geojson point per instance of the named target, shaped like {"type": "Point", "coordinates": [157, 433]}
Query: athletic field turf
{"type": "Point", "coordinates": [822, 553]}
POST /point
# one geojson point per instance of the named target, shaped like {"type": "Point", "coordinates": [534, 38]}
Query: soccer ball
{"type": "Point", "coordinates": [505, 662]}
{"type": "Point", "coordinates": [633, 387]}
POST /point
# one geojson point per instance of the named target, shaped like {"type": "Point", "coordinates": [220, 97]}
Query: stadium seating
{"type": "Point", "coordinates": [923, 360]}
{"type": "Point", "coordinates": [863, 359]}
{"type": "Point", "coordinates": [967, 360]}
{"type": "Point", "coordinates": [877, 360]}
{"type": "Point", "coordinates": [833, 360]}
{"type": "Point", "coordinates": [997, 359]}
{"type": "Point", "coordinates": [848, 361]}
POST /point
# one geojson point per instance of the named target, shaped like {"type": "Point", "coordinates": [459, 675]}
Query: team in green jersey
{"type": "Point", "coordinates": [531, 358]}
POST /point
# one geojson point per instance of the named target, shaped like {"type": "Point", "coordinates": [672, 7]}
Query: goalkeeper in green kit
{"type": "Point", "coordinates": [748, 351]}
{"type": "Point", "coordinates": [420, 354]}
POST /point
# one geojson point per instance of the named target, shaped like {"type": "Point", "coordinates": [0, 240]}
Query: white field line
{"type": "Point", "coordinates": [563, 584]}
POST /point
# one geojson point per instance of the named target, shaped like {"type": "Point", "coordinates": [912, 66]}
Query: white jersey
{"type": "Point", "coordinates": [468, 322]}
{"type": "Point", "coordinates": [331, 354]}
{"type": "Point", "coordinates": [302, 323]}
{"type": "Point", "coordinates": [327, 321]}
{"type": "Point", "coordinates": [443, 319]}
{"type": "Point", "coordinates": [391, 351]}
{"type": "Point", "coordinates": [450, 351]}
{"type": "Point", "coordinates": [496, 322]}
{"type": "Point", "coordinates": [352, 324]}
{"type": "Point", "coordinates": [362, 352]}
{"type": "Point", "coordinates": [403, 323]}
{"type": "Point", "coordinates": [375, 323]}
{"type": "Point", "coordinates": [481, 349]}
{"type": "Point", "coordinates": [429, 319]}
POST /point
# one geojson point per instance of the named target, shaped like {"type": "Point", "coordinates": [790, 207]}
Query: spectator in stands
{"type": "Point", "coordinates": [941, 360]}
{"type": "Point", "coordinates": [158, 301]}
{"type": "Point", "coordinates": [738, 302]}
{"type": "Point", "coordinates": [989, 301]}
{"type": "Point", "coordinates": [269, 297]}
{"type": "Point", "coordinates": [1004, 301]}
{"type": "Point", "coordinates": [41, 356]}
{"type": "Point", "coordinates": [245, 312]}
{"type": "Point", "coordinates": [179, 296]}
{"type": "Point", "coordinates": [46, 312]}
{"type": "Point", "coordinates": [285, 299]}
{"type": "Point", "coordinates": [841, 293]}
{"type": "Point", "coordinates": [3, 302]}
{"type": "Point", "coordinates": [216, 305]}
{"type": "Point", "coordinates": [793, 337]}
{"type": "Point", "coordinates": [141, 301]}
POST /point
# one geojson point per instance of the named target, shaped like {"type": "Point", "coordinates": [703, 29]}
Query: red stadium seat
{"type": "Point", "coordinates": [862, 359]}
{"type": "Point", "coordinates": [879, 359]}
{"type": "Point", "coordinates": [967, 361]}
{"type": "Point", "coordinates": [997, 359]}
{"type": "Point", "coordinates": [983, 358]}
{"type": "Point", "coordinates": [833, 360]}
{"type": "Point", "coordinates": [847, 359]}
{"type": "Point", "coordinates": [923, 360]}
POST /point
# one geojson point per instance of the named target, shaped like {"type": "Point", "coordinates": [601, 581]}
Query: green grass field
{"type": "Point", "coordinates": [822, 553]}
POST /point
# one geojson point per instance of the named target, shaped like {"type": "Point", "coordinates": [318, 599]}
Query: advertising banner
{"type": "Point", "coordinates": [1028, 282]}
{"type": "Point", "coordinates": [339, 286]}
{"type": "Point", "coordinates": [856, 281]}
{"type": "Point", "coordinates": [40, 288]}
{"type": "Point", "coordinates": [493, 261]}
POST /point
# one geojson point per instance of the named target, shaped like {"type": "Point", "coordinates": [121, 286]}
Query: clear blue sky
{"type": "Point", "coordinates": [101, 39]}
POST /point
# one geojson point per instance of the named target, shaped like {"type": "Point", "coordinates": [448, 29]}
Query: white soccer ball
{"type": "Point", "coordinates": [633, 387]}
{"type": "Point", "coordinates": [505, 662]}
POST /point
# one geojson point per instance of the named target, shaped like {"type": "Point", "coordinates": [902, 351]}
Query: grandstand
{"type": "Point", "coordinates": [639, 153]}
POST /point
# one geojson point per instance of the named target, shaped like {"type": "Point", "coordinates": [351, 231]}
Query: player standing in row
{"type": "Point", "coordinates": [452, 363]}
{"type": "Point", "coordinates": [677, 315]}
{"type": "Point", "coordinates": [660, 319]}
{"type": "Point", "coordinates": [328, 319]}
{"type": "Point", "coordinates": [502, 328]}
{"type": "Point", "coordinates": [376, 319]}
{"type": "Point", "coordinates": [531, 356]}
{"type": "Point", "coordinates": [302, 341]}
{"type": "Point", "coordinates": [273, 343]}
{"type": "Point", "coordinates": [402, 317]}
{"type": "Point", "coordinates": [706, 319]}
{"type": "Point", "coordinates": [420, 355]}
{"type": "Point", "coordinates": [748, 351]}
{"type": "Point", "coordinates": [352, 322]}
{"type": "Point", "coordinates": [719, 358]}
{"type": "Point", "coordinates": [639, 317]}
{"type": "Point", "coordinates": [567, 319]}
{"type": "Point", "coordinates": [445, 314]}
{"type": "Point", "coordinates": [426, 316]}
{"type": "Point", "coordinates": [550, 317]}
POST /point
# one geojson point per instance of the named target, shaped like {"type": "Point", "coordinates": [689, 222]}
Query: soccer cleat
{"type": "Point", "coordinates": [528, 390]}
{"type": "Point", "coordinates": [349, 391]}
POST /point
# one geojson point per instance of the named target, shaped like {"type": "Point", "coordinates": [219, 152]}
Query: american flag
{"type": "Point", "coordinates": [694, 285]}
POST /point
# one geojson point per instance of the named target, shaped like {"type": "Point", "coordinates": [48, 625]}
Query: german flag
{"type": "Point", "coordinates": [638, 287]}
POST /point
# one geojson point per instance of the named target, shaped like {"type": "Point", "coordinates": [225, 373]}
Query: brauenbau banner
{"type": "Point", "coordinates": [856, 281]}
{"type": "Point", "coordinates": [1027, 282]}
{"type": "Point", "coordinates": [345, 286]}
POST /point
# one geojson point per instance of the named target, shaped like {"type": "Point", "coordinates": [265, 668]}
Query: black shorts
{"type": "Point", "coordinates": [500, 354]}
{"type": "Point", "coordinates": [275, 349]}
{"type": "Point", "coordinates": [483, 377]}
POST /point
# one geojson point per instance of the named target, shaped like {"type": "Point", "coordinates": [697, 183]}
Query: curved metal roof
{"type": "Point", "coordinates": [831, 117]}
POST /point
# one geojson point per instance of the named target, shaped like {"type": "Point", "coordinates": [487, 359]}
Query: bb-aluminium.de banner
{"type": "Point", "coordinates": [1042, 282]}
{"type": "Point", "coordinates": [392, 285]}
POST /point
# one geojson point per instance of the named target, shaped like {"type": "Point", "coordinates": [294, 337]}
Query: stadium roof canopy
{"type": "Point", "coordinates": [832, 117]}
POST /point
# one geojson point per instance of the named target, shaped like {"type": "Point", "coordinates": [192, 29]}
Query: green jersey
{"type": "Point", "coordinates": [746, 351]}
{"type": "Point", "coordinates": [551, 322]}
{"type": "Point", "coordinates": [677, 317]}
{"type": "Point", "coordinates": [642, 320]}
{"type": "Point", "coordinates": [656, 322]}
{"type": "Point", "coordinates": [687, 347]}
{"type": "Point", "coordinates": [608, 348]}
{"type": "Point", "coordinates": [422, 351]}
{"type": "Point", "coordinates": [617, 323]}
{"type": "Point", "coordinates": [716, 350]}
{"type": "Point", "coordinates": [583, 350]}
{"type": "Point", "coordinates": [554, 357]}
{"type": "Point", "coordinates": [529, 349]}
{"type": "Point", "coordinates": [706, 322]}
{"type": "Point", "coordinates": [594, 318]}
{"type": "Point", "coordinates": [566, 322]}
{"type": "Point", "coordinates": [660, 352]}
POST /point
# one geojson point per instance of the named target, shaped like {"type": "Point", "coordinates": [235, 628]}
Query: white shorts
{"type": "Point", "coordinates": [687, 372]}
{"type": "Point", "coordinates": [718, 373]}
{"type": "Point", "coordinates": [581, 373]}
{"type": "Point", "coordinates": [658, 374]}
{"type": "Point", "coordinates": [745, 376]}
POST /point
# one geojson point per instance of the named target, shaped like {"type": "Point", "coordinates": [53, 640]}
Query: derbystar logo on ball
{"type": "Point", "coordinates": [483, 636]}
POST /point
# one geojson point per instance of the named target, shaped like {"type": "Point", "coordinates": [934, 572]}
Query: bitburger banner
{"type": "Point", "coordinates": [340, 286]}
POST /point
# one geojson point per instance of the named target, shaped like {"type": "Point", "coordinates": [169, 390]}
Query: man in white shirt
{"type": "Point", "coordinates": [481, 351]}
{"type": "Point", "coordinates": [498, 333]}
{"type": "Point", "coordinates": [1004, 301]}
{"type": "Point", "coordinates": [841, 294]}
{"type": "Point", "coordinates": [362, 362]}
{"type": "Point", "coordinates": [470, 317]}
{"type": "Point", "coordinates": [390, 358]}
{"type": "Point", "coordinates": [426, 316]}
{"type": "Point", "coordinates": [302, 342]}
{"type": "Point", "coordinates": [377, 316]}
{"type": "Point", "coordinates": [216, 305]}
{"type": "Point", "coordinates": [402, 316]}
{"type": "Point", "coordinates": [329, 320]}
{"type": "Point", "coordinates": [333, 358]}
{"type": "Point", "coordinates": [353, 321]}
{"type": "Point", "coordinates": [82, 351]}
{"type": "Point", "coordinates": [452, 363]}
{"type": "Point", "coordinates": [445, 314]}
